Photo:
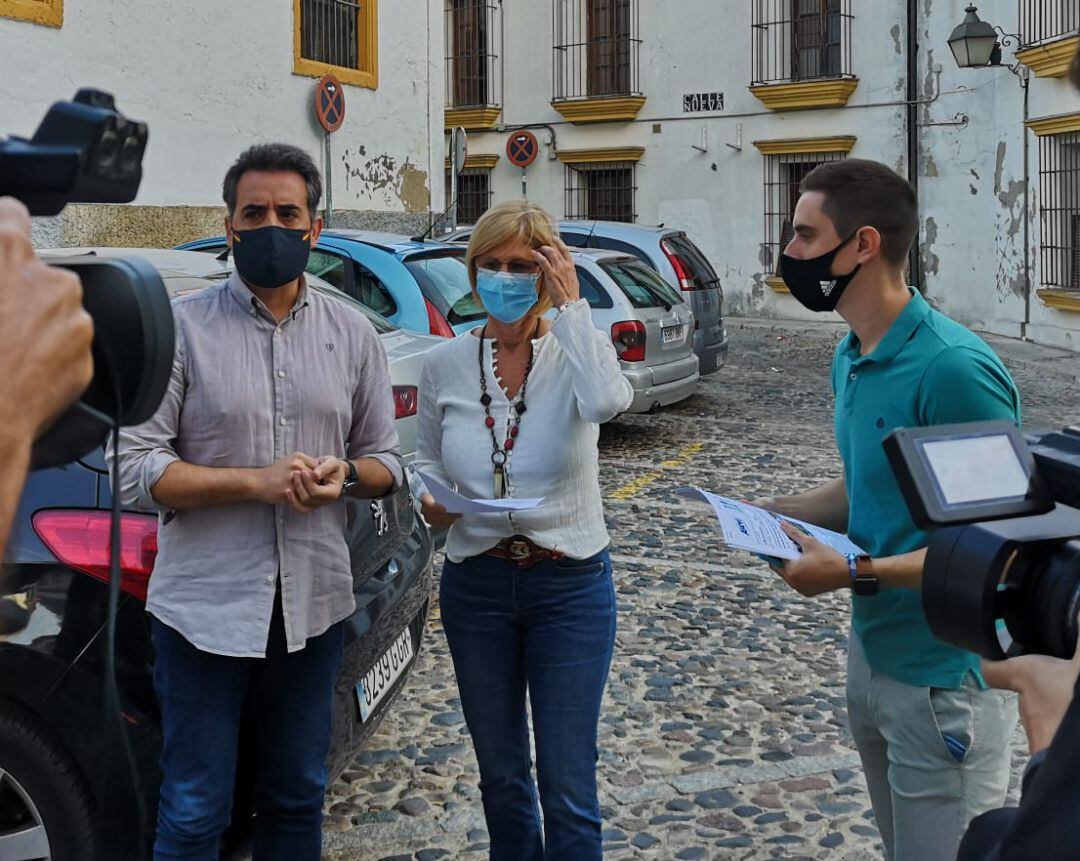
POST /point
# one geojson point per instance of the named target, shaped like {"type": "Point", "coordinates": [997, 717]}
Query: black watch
{"type": "Point", "coordinates": [353, 478]}
{"type": "Point", "coordinates": [864, 586]}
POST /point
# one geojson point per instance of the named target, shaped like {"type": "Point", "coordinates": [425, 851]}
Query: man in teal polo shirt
{"type": "Point", "coordinates": [933, 740]}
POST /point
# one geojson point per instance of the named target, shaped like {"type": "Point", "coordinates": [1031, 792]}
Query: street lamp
{"type": "Point", "coordinates": [973, 43]}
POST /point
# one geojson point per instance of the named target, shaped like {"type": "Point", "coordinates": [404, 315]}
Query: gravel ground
{"type": "Point", "coordinates": [724, 732]}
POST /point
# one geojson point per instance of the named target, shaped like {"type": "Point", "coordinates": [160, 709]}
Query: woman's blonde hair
{"type": "Point", "coordinates": [513, 220]}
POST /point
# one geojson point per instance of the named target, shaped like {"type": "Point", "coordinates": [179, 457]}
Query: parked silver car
{"type": "Point", "coordinates": [185, 271]}
{"type": "Point", "coordinates": [678, 260]}
{"type": "Point", "coordinates": [649, 322]}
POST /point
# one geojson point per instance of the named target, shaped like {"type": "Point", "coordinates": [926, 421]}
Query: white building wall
{"type": "Point", "coordinates": [971, 147]}
{"type": "Point", "coordinates": [211, 79]}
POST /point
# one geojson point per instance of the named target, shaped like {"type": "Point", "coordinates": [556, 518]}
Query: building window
{"type": "Point", "coordinates": [801, 40]}
{"type": "Point", "coordinates": [783, 175]}
{"type": "Point", "coordinates": [47, 12]}
{"type": "Point", "coordinates": [596, 48]}
{"type": "Point", "coordinates": [1059, 177]}
{"type": "Point", "coordinates": [337, 36]}
{"type": "Point", "coordinates": [1048, 20]}
{"type": "Point", "coordinates": [473, 68]}
{"type": "Point", "coordinates": [601, 192]}
{"type": "Point", "coordinates": [473, 194]}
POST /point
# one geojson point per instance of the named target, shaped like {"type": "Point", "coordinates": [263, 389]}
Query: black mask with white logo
{"type": "Point", "coordinates": [812, 281]}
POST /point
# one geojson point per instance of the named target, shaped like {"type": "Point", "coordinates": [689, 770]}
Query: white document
{"type": "Point", "coordinates": [747, 527]}
{"type": "Point", "coordinates": [455, 503]}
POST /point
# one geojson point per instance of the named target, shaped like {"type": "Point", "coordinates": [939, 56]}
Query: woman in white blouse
{"type": "Point", "coordinates": [512, 410]}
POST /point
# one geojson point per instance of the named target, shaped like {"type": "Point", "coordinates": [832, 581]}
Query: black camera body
{"type": "Point", "coordinates": [86, 151]}
{"type": "Point", "coordinates": [1002, 573]}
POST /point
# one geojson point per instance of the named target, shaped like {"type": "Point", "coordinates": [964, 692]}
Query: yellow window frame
{"type": "Point", "coordinates": [368, 35]}
{"type": "Point", "coordinates": [47, 12]}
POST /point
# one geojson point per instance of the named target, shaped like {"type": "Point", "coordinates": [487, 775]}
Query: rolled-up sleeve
{"type": "Point", "coordinates": [147, 450]}
{"type": "Point", "coordinates": [373, 434]}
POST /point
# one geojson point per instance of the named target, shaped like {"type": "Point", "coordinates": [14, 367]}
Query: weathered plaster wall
{"type": "Point", "coordinates": [213, 78]}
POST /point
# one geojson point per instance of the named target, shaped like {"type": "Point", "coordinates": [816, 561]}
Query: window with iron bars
{"type": "Point", "coordinates": [783, 175]}
{"type": "Point", "coordinates": [597, 47]}
{"type": "Point", "coordinates": [601, 192]}
{"type": "Point", "coordinates": [1059, 180]}
{"type": "Point", "coordinates": [801, 40]}
{"type": "Point", "coordinates": [473, 66]}
{"type": "Point", "coordinates": [473, 194]}
{"type": "Point", "coordinates": [330, 32]}
{"type": "Point", "coordinates": [1047, 20]}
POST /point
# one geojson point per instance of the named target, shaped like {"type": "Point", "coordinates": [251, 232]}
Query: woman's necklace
{"type": "Point", "coordinates": [500, 454]}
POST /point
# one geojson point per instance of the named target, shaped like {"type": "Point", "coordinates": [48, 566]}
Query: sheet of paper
{"type": "Point", "coordinates": [747, 527]}
{"type": "Point", "coordinates": [455, 503]}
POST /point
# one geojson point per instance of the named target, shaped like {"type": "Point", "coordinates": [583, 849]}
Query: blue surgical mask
{"type": "Point", "coordinates": [506, 297]}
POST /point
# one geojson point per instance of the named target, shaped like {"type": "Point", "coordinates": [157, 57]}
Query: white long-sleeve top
{"type": "Point", "coordinates": [574, 385]}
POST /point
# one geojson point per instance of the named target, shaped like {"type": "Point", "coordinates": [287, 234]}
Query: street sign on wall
{"type": "Point", "coordinates": [329, 103]}
{"type": "Point", "coordinates": [522, 148]}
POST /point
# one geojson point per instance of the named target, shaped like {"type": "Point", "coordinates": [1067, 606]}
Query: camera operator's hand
{"type": "Point", "coordinates": [1045, 686]}
{"type": "Point", "coordinates": [45, 333]}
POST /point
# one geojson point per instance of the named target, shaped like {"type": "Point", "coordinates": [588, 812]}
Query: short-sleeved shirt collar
{"type": "Point", "coordinates": [903, 327]}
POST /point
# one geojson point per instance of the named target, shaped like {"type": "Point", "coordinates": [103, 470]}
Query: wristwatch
{"type": "Point", "coordinates": [866, 586]}
{"type": "Point", "coordinates": [352, 479]}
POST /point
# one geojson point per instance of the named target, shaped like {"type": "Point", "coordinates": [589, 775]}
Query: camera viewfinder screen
{"type": "Point", "coordinates": [976, 469]}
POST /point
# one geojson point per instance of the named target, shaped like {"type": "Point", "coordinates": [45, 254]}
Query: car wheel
{"type": "Point", "coordinates": [45, 804]}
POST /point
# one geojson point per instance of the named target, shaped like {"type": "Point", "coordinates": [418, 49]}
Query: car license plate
{"type": "Point", "coordinates": [381, 677]}
{"type": "Point", "coordinates": [670, 334]}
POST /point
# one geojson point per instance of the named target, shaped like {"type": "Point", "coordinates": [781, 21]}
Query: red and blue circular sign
{"type": "Point", "coordinates": [522, 148]}
{"type": "Point", "coordinates": [330, 103]}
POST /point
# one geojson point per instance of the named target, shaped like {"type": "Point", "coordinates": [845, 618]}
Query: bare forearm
{"type": "Point", "coordinates": [825, 506]}
{"type": "Point", "coordinates": [185, 485]}
{"type": "Point", "coordinates": [15, 454]}
{"type": "Point", "coordinates": [900, 572]}
{"type": "Point", "coordinates": [374, 480]}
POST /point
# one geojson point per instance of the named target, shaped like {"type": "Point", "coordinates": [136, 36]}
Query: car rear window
{"type": "Point", "coordinates": [444, 281]}
{"type": "Point", "coordinates": [704, 275]}
{"type": "Point", "coordinates": [641, 285]}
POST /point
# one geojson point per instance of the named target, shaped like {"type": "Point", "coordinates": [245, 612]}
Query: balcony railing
{"type": "Point", "coordinates": [801, 40]}
{"type": "Point", "coordinates": [597, 48]}
{"type": "Point", "coordinates": [473, 62]}
{"type": "Point", "coordinates": [1048, 20]}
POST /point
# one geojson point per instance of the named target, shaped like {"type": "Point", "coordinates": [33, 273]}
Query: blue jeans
{"type": "Point", "coordinates": [202, 696]}
{"type": "Point", "coordinates": [550, 630]}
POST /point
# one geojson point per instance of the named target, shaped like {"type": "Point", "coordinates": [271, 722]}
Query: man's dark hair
{"type": "Point", "coordinates": [860, 193]}
{"type": "Point", "coordinates": [274, 157]}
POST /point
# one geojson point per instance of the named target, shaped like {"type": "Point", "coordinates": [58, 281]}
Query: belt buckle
{"type": "Point", "coordinates": [520, 553]}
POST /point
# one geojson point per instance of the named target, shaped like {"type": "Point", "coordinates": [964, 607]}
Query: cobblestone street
{"type": "Point", "coordinates": [724, 730]}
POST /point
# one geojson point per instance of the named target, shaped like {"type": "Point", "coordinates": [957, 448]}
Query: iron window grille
{"type": "Point", "coordinates": [1047, 20]}
{"type": "Point", "coordinates": [1059, 179]}
{"type": "Point", "coordinates": [473, 65]}
{"type": "Point", "coordinates": [473, 194]}
{"type": "Point", "coordinates": [801, 40]}
{"type": "Point", "coordinates": [601, 192]}
{"type": "Point", "coordinates": [783, 175]}
{"type": "Point", "coordinates": [597, 48]}
{"type": "Point", "coordinates": [330, 32]}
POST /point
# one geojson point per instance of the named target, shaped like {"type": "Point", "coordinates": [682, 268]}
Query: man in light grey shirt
{"type": "Point", "coordinates": [279, 402]}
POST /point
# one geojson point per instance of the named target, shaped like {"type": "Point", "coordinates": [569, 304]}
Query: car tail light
{"type": "Point", "coordinates": [80, 540]}
{"type": "Point", "coordinates": [629, 340]}
{"type": "Point", "coordinates": [404, 401]}
{"type": "Point", "coordinates": [437, 324]}
{"type": "Point", "coordinates": [683, 272]}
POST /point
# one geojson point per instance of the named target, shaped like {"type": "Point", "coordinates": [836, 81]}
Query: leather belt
{"type": "Point", "coordinates": [521, 552]}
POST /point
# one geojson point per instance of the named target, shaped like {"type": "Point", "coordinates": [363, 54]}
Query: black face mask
{"type": "Point", "coordinates": [271, 257]}
{"type": "Point", "coordinates": [812, 281]}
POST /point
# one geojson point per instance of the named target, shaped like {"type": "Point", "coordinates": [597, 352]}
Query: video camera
{"type": "Point", "coordinates": [1002, 573]}
{"type": "Point", "coordinates": [85, 151]}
